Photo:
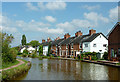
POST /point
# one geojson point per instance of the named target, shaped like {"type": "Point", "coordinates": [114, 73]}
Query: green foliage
{"type": "Point", "coordinates": [24, 55]}
{"type": "Point", "coordinates": [105, 56]}
{"type": "Point", "coordinates": [26, 51]}
{"type": "Point", "coordinates": [8, 53]}
{"type": "Point", "coordinates": [34, 43]}
{"type": "Point", "coordinates": [23, 41]}
{"type": "Point", "coordinates": [88, 54]}
{"type": "Point", "coordinates": [15, 72]}
{"type": "Point", "coordinates": [8, 64]}
{"type": "Point", "coordinates": [49, 49]}
{"type": "Point", "coordinates": [33, 54]}
{"type": "Point", "coordinates": [40, 50]}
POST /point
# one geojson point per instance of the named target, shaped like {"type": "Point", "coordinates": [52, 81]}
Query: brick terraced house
{"type": "Point", "coordinates": [114, 43]}
{"type": "Point", "coordinates": [73, 46]}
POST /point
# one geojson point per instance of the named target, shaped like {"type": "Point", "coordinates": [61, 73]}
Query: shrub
{"type": "Point", "coordinates": [19, 53]}
{"type": "Point", "coordinates": [10, 56]}
{"type": "Point", "coordinates": [24, 55]}
{"type": "Point", "coordinates": [105, 56]}
{"type": "Point", "coordinates": [26, 51]}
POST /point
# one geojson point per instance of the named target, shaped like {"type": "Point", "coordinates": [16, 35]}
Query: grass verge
{"type": "Point", "coordinates": [6, 65]}
{"type": "Point", "coordinates": [15, 72]}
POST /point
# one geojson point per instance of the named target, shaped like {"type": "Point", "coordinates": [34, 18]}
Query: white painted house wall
{"type": "Point", "coordinates": [45, 50]}
{"type": "Point", "coordinates": [21, 51]}
{"type": "Point", "coordinates": [99, 41]}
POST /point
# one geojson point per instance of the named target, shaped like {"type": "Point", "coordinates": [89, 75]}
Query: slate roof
{"type": "Point", "coordinates": [86, 38]}
{"type": "Point", "coordinates": [66, 41]}
{"type": "Point", "coordinates": [57, 42]}
{"type": "Point", "coordinates": [78, 39]}
{"type": "Point", "coordinates": [45, 43]}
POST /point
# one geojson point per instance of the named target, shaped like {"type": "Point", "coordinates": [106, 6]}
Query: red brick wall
{"type": "Point", "coordinates": [114, 40]}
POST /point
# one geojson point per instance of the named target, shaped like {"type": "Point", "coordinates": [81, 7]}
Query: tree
{"type": "Point", "coordinates": [8, 53]}
{"type": "Point", "coordinates": [40, 50]}
{"type": "Point", "coordinates": [34, 43]}
{"type": "Point", "coordinates": [49, 49]}
{"type": "Point", "coordinates": [23, 41]}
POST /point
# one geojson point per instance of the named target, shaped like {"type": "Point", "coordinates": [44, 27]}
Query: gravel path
{"type": "Point", "coordinates": [21, 62]}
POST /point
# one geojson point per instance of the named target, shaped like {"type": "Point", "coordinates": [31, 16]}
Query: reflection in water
{"type": "Point", "coordinates": [50, 69]}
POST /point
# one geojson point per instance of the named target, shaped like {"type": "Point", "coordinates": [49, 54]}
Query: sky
{"type": "Point", "coordinates": [40, 20]}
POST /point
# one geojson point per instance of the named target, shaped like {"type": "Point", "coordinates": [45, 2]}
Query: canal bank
{"type": "Point", "coordinates": [58, 69]}
{"type": "Point", "coordinates": [16, 70]}
{"type": "Point", "coordinates": [101, 62]}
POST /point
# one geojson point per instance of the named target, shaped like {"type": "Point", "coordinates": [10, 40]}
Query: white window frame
{"type": "Point", "coordinates": [72, 46]}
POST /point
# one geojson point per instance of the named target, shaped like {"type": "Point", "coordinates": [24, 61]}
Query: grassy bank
{"type": "Point", "coordinates": [15, 72]}
{"type": "Point", "coordinates": [5, 65]}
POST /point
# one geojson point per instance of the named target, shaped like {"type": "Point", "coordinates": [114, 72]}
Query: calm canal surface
{"type": "Point", "coordinates": [52, 69]}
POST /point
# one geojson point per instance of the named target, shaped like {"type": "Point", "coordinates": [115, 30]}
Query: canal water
{"type": "Point", "coordinates": [53, 69]}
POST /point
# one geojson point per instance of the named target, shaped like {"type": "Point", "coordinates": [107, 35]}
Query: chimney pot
{"type": "Point", "coordinates": [79, 33]}
{"type": "Point", "coordinates": [66, 36]}
{"type": "Point", "coordinates": [43, 40]}
{"type": "Point", "coordinates": [92, 32]}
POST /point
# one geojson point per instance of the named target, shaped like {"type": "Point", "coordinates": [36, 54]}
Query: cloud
{"type": "Point", "coordinates": [113, 13]}
{"type": "Point", "coordinates": [75, 24]}
{"type": "Point", "coordinates": [50, 19]}
{"type": "Point", "coordinates": [95, 7]}
{"type": "Point", "coordinates": [56, 5]}
{"type": "Point", "coordinates": [31, 7]}
{"type": "Point", "coordinates": [93, 16]}
{"type": "Point", "coordinates": [47, 6]}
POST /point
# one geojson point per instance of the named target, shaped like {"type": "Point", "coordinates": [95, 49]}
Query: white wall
{"type": "Point", "coordinates": [99, 41]}
{"type": "Point", "coordinates": [45, 50]}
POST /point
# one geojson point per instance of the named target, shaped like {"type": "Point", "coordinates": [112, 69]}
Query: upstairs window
{"type": "Point", "coordinates": [72, 45]}
{"type": "Point", "coordinates": [86, 45]}
{"type": "Point", "coordinates": [104, 45]}
{"type": "Point", "coordinates": [94, 45]}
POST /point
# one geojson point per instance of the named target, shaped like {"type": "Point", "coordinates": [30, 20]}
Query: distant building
{"type": "Point", "coordinates": [45, 46]}
{"type": "Point", "coordinates": [114, 43]}
{"type": "Point", "coordinates": [29, 48]}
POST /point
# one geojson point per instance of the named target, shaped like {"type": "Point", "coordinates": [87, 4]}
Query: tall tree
{"type": "Point", "coordinates": [40, 50]}
{"type": "Point", "coordinates": [49, 49]}
{"type": "Point", "coordinates": [34, 43]}
{"type": "Point", "coordinates": [23, 41]}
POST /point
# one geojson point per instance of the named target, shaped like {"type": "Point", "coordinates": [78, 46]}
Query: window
{"type": "Point", "coordinates": [86, 45]}
{"type": "Point", "coordinates": [112, 52]}
{"type": "Point", "coordinates": [104, 45]}
{"type": "Point", "coordinates": [72, 46]}
{"type": "Point", "coordinates": [118, 51]}
{"type": "Point", "coordinates": [94, 45]}
{"type": "Point", "coordinates": [66, 46]}
{"type": "Point", "coordinates": [43, 48]}
{"type": "Point", "coordinates": [80, 46]}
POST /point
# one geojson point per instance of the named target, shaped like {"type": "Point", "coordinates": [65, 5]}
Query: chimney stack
{"type": "Point", "coordinates": [92, 31]}
{"type": "Point", "coordinates": [43, 40]}
{"type": "Point", "coordinates": [57, 38]}
{"type": "Point", "coordinates": [79, 33]}
{"type": "Point", "coordinates": [48, 40]}
{"type": "Point", "coordinates": [66, 36]}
